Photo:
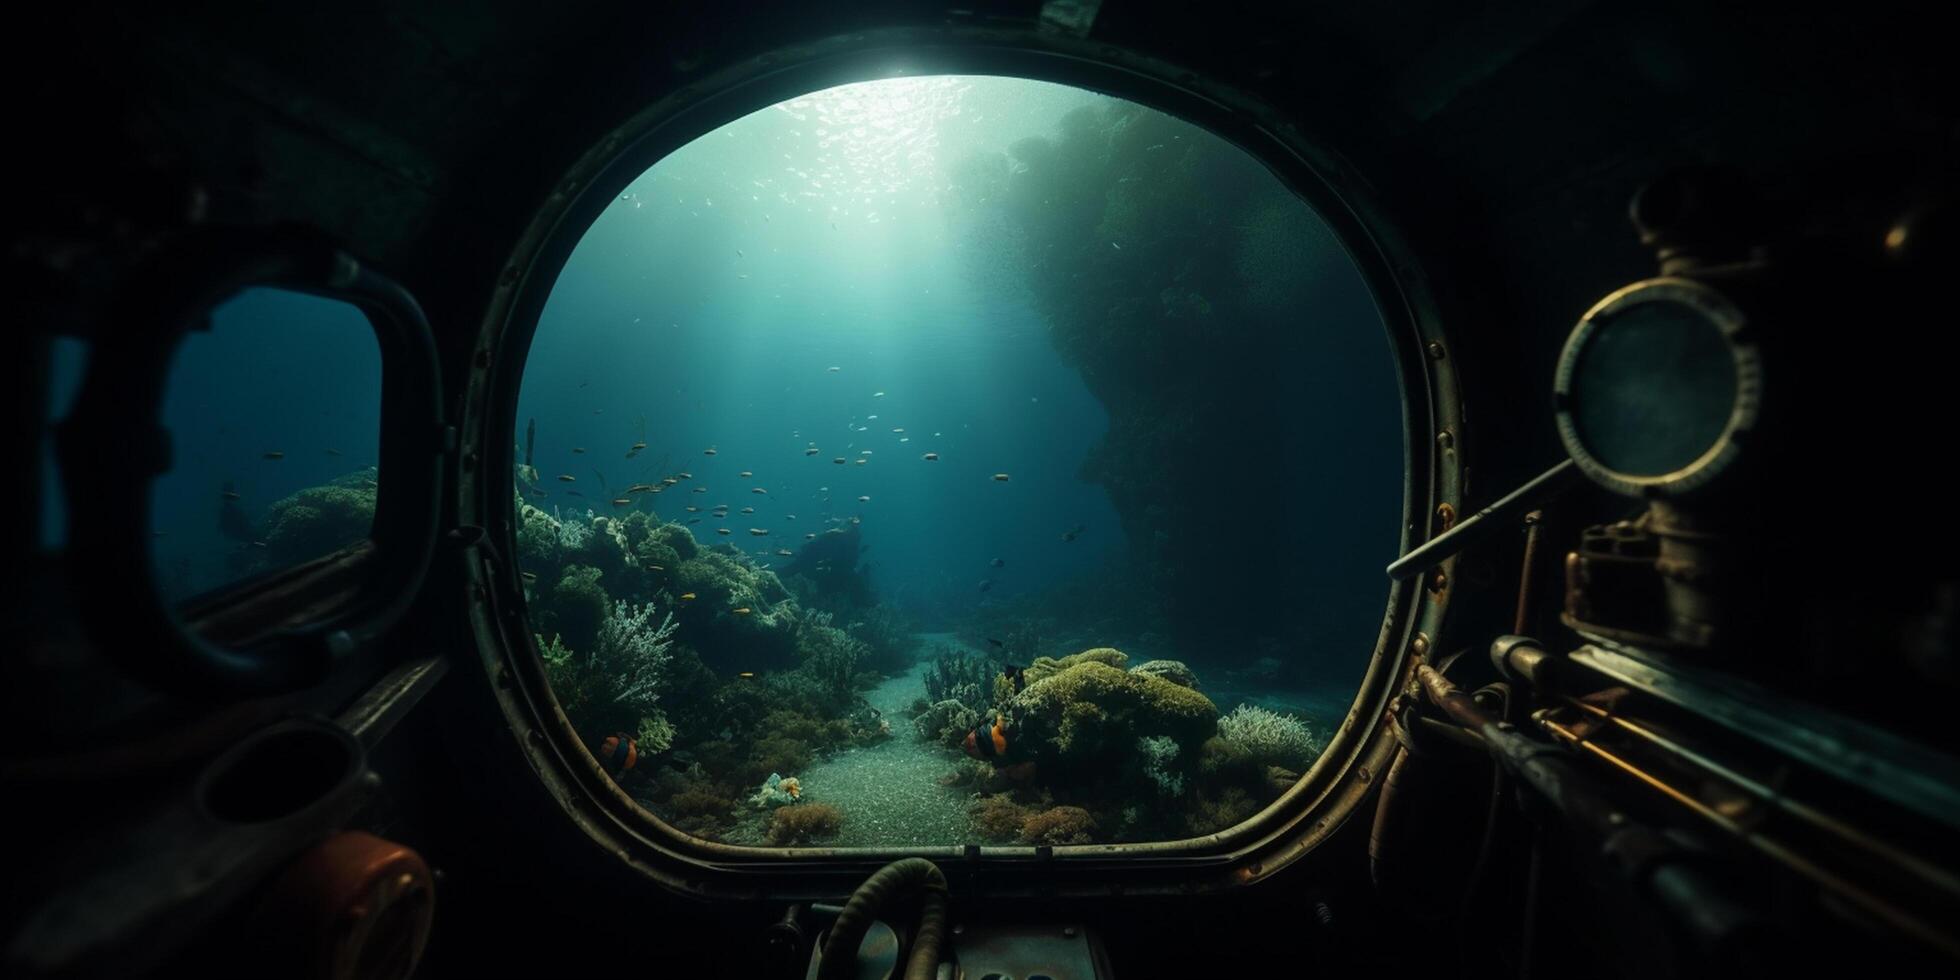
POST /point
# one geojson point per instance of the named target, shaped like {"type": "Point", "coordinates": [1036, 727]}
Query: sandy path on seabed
{"type": "Point", "coordinates": [889, 792]}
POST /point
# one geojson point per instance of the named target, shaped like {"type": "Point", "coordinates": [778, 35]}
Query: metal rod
{"type": "Point", "coordinates": [1485, 522]}
{"type": "Point", "coordinates": [1781, 801]}
{"type": "Point", "coordinates": [1899, 918]}
{"type": "Point", "coordinates": [1531, 522]}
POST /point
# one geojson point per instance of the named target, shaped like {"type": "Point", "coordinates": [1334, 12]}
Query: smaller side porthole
{"type": "Point", "coordinates": [274, 421]}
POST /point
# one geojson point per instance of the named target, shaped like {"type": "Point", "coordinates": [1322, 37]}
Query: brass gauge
{"type": "Point", "coordinates": [1659, 388]}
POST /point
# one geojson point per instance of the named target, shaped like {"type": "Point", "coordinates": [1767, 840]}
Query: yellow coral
{"type": "Point", "coordinates": [792, 787]}
{"type": "Point", "coordinates": [1093, 707]}
{"type": "Point", "coordinates": [1003, 689]}
{"type": "Point", "coordinates": [1046, 667]}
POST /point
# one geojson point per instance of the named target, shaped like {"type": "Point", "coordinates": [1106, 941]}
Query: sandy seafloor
{"type": "Point", "coordinates": [890, 792]}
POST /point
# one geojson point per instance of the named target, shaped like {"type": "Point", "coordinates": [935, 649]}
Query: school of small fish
{"type": "Point", "coordinates": [720, 511]}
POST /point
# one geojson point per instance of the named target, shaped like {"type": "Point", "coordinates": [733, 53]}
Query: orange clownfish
{"type": "Point", "coordinates": [987, 742]}
{"type": "Point", "coordinates": [619, 753]}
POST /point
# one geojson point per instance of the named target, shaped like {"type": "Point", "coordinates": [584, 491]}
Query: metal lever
{"type": "Point", "coordinates": [1485, 522]}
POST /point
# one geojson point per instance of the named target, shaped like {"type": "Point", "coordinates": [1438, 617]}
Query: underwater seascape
{"type": "Point", "coordinates": [957, 460]}
{"type": "Point", "coordinates": [921, 462]}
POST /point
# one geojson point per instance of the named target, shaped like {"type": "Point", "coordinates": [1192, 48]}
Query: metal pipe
{"type": "Point", "coordinates": [1521, 658]}
{"type": "Point", "coordinates": [1777, 850]}
{"type": "Point", "coordinates": [1652, 863]}
{"type": "Point", "coordinates": [1486, 522]}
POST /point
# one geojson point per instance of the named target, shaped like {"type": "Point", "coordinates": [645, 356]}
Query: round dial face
{"type": "Point", "coordinates": [1654, 387]}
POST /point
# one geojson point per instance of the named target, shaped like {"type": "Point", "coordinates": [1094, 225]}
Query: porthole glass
{"type": "Point", "coordinates": [955, 460]}
{"type": "Point", "coordinates": [274, 422]}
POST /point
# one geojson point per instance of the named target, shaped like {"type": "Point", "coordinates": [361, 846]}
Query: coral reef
{"type": "Point", "coordinates": [574, 608]}
{"type": "Point", "coordinates": [961, 677]}
{"type": "Point", "coordinates": [1059, 825]}
{"type": "Point", "coordinates": [998, 817]}
{"type": "Point", "coordinates": [1160, 758]}
{"type": "Point", "coordinates": [617, 684]}
{"type": "Point", "coordinates": [777, 791]}
{"type": "Point", "coordinates": [1211, 814]}
{"type": "Point", "coordinates": [829, 569]}
{"type": "Point", "coordinates": [1171, 670]}
{"type": "Point", "coordinates": [319, 520]}
{"type": "Point", "coordinates": [537, 538]}
{"type": "Point", "coordinates": [1003, 690]}
{"type": "Point", "coordinates": [1221, 758]}
{"type": "Point", "coordinates": [735, 677]}
{"type": "Point", "coordinates": [946, 722]}
{"type": "Point", "coordinates": [1046, 667]}
{"type": "Point", "coordinates": [704, 655]}
{"type": "Point", "coordinates": [1269, 738]}
{"type": "Point", "coordinates": [804, 824]}
{"type": "Point", "coordinates": [888, 636]}
{"type": "Point", "coordinates": [775, 753]}
{"type": "Point", "coordinates": [634, 653]}
{"type": "Point", "coordinates": [720, 582]}
{"type": "Point", "coordinates": [696, 803]}
{"type": "Point", "coordinates": [689, 693]}
{"type": "Point", "coordinates": [829, 658]}
{"type": "Point", "coordinates": [656, 733]}
{"type": "Point", "coordinates": [1090, 714]}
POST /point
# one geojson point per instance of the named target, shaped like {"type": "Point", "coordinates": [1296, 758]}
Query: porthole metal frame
{"type": "Point", "coordinates": [113, 446]}
{"type": "Point", "coordinates": [1360, 749]}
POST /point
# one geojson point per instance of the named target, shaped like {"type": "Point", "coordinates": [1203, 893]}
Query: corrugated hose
{"type": "Point", "coordinates": [907, 879]}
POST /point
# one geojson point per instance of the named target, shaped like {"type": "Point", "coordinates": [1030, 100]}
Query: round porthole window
{"type": "Point", "coordinates": [954, 462]}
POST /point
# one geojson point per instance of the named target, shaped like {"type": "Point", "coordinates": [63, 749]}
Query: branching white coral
{"type": "Point", "coordinates": [573, 534]}
{"type": "Point", "coordinates": [1159, 755]}
{"type": "Point", "coordinates": [555, 652]}
{"type": "Point", "coordinates": [1271, 738]}
{"type": "Point", "coordinates": [633, 652]}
